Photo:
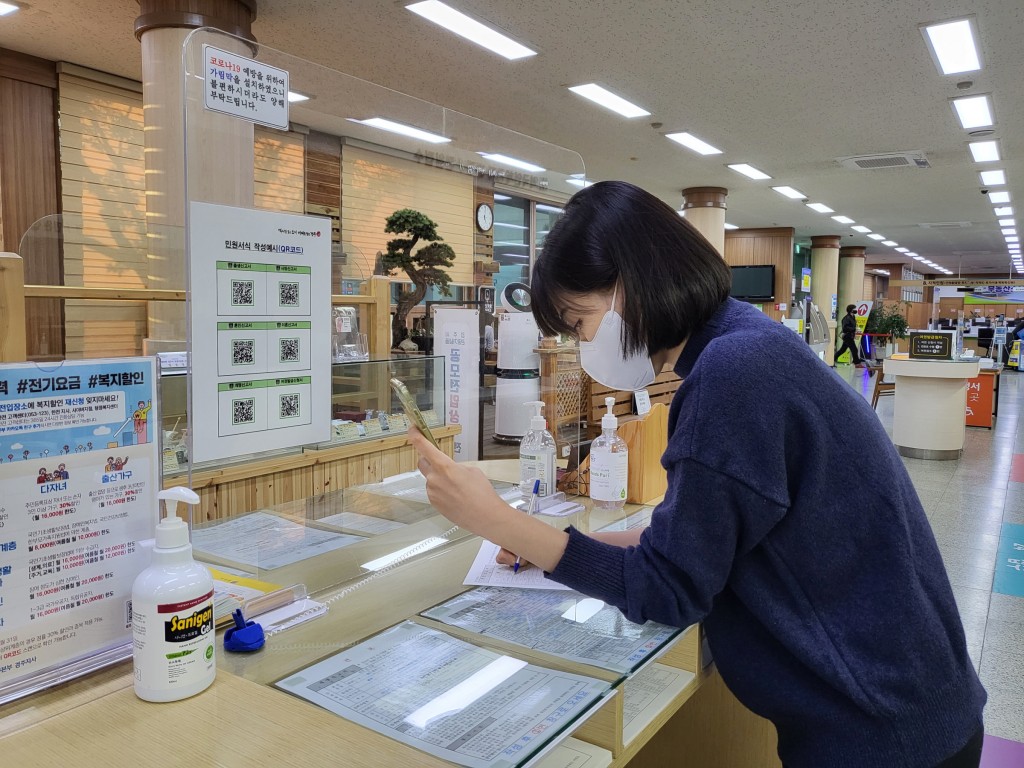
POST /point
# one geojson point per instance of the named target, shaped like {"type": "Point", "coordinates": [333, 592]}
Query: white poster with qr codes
{"type": "Point", "coordinates": [260, 334]}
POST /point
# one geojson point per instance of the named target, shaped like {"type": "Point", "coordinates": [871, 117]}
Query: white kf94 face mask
{"type": "Point", "coordinates": [605, 362]}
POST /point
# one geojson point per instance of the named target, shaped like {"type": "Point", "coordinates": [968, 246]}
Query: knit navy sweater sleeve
{"type": "Point", "coordinates": [830, 615]}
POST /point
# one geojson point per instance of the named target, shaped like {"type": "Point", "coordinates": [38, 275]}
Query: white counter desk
{"type": "Point", "coordinates": [931, 399]}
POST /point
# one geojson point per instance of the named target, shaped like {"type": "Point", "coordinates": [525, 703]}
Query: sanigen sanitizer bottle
{"type": "Point", "coordinates": [609, 463]}
{"type": "Point", "coordinates": [172, 613]}
{"type": "Point", "coordinates": [537, 455]}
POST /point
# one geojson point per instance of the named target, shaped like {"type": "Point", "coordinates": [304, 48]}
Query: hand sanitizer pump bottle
{"type": "Point", "coordinates": [172, 614]}
{"type": "Point", "coordinates": [609, 463]}
{"type": "Point", "coordinates": [537, 455]}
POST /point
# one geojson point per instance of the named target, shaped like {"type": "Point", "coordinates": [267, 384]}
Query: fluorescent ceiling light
{"type": "Point", "coordinates": [1012, 239]}
{"type": "Point", "coordinates": [877, 236]}
{"type": "Point", "coordinates": [993, 178]}
{"type": "Point", "coordinates": [1005, 211]}
{"type": "Point", "coordinates": [973, 111]}
{"type": "Point", "coordinates": [890, 243]}
{"type": "Point", "coordinates": [749, 171]}
{"type": "Point", "coordinates": [730, 226]}
{"type": "Point", "coordinates": [1007, 222]}
{"type": "Point", "coordinates": [1009, 231]}
{"type": "Point", "coordinates": [608, 100]}
{"type": "Point", "coordinates": [421, 546]}
{"type": "Point", "coordinates": [843, 219]}
{"type": "Point", "coordinates": [470, 29]}
{"type": "Point", "coordinates": [405, 130]}
{"type": "Point", "coordinates": [903, 250]}
{"type": "Point", "coordinates": [6, 8]}
{"type": "Point", "coordinates": [999, 197]}
{"type": "Point", "coordinates": [581, 183]}
{"type": "Point", "coordinates": [953, 45]}
{"type": "Point", "coordinates": [511, 161]}
{"type": "Point", "coordinates": [860, 228]}
{"type": "Point", "coordinates": [793, 194]}
{"type": "Point", "coordinates": [919, 258]}
{"type": "Point", "coordinates": [294, 96]}
{"type": "Point", "coordinates": [984, 151]}
{"type": "Point", "coordinates": [911, 253]}
{"type": "Point", "coordinates": [549, 208]}
{"type": "Point", "coordinates": [820, 208]}
{"type": "Point", "coordinates": [690, 141]}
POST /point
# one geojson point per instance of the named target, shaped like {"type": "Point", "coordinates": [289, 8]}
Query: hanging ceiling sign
{"type": "Point", "coordinates": [953, 282]}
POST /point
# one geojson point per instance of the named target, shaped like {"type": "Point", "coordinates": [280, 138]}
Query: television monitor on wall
{"type": "Point", "coordinates": [756, 283]}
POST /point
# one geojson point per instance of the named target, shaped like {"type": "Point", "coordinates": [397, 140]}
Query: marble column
{"type": "Point", "coordinates": [704, 207]}
{"type": "Point", "coordinates": [825, 282]}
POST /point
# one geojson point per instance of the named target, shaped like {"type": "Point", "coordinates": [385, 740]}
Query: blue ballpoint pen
{"type": "Point", "coordinates": [529, 510]}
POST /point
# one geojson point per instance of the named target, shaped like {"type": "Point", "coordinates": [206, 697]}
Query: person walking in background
{"type": "Point", "coordinates": [848, 335]}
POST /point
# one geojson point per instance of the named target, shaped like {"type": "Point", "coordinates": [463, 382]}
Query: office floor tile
{"type": "Point", "coordinates": [968, 502]}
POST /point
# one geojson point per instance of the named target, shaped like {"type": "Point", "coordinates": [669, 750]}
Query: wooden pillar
{"type": "Point", "coordinates": [227, 162]}
{"type": "Point", "coordinates": [825, 282]}
{"type": "Point", "coordinates": [851, 277]}
{"type": "Point", "coordinates": [12, 309]}
{"type": "Point", "coordinates": [704, 207]}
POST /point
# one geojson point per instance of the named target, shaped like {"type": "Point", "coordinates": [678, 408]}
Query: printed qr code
{"type": "Point", "coordinates": [289, 350]}
{"type": "Point", "coordinates": [243, 411]}
{"type": "Point", "coordinates": [289, 406]}
{"type": "Point", "coordinates": [243, 351]}
{"type": "Point", "coordinates": [289, 294]}
{"type": "Point", "coordinates": [241, 293]}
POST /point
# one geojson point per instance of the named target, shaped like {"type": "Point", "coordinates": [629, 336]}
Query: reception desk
{"type": "Point", "coordinates": [931, 399]}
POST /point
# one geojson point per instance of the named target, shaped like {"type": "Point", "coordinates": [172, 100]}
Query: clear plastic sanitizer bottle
{"type": "Point", "coordinates": [609, 463]}
{"type": "Point", "coordinates": [537, 455]}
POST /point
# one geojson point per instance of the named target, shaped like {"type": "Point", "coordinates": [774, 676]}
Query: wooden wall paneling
{"type": "Point", "coordinates": [373, 186]}
{"type": "Point", "coordinates": [746, 247]}
{"type": "Point", "coordinates": [279, 172]}
{"type": "Point", "coordinates": [30, 190]}
{"type": "Point", "coordinates": [949, 307]}
{"type": "Point", "coordinates": [104, 200]}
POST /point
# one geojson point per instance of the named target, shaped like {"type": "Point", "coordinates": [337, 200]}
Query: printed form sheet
{"type": "Point", "coordinates": [436, 693]}
{"type": "Point", "coordinates": [563, 624]}
{"type": "Point", "coordinates": [485, 572]}
{"type": "Point", "coordinates": [266, 541]}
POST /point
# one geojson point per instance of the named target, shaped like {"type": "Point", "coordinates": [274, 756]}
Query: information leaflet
{"type": "Point", "coordinates": [260, 336]}
{"type": "Point", "coordinates": [468, 705]}
{"type": "Point", "coordinates": [78, 484]}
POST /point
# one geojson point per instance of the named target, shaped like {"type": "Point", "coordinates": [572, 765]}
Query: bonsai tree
{"type": "Point", "coordinates": [425, 267]}
{"type": "Point", "coordinates": [888, 319]}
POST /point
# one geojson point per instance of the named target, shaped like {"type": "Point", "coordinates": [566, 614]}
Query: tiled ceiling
{"type": "Point", "coordinates": [787, 86]}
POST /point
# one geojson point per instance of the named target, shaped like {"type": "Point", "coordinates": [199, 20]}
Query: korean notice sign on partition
{"type": "Point", "coordinates": [456, 337]}
{"type": "Point", "coordinates": [245, 88]}
{"type": "Point", "coordinates": [260, 286]}
{"type": "Point", "coordinates": [78, 485]}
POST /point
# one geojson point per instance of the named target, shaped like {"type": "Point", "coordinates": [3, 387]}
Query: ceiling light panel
{"type": "Point", "coordinates": [690, 141]}
{"type": "Point", "coordinates": [792, 194]}
{"type": "Point", "coordinates": [890, 243]}
{"type": "Point", "coordinates": [973, 111]}
{"type": "Point", "coordinates": [861, 229]}
{"type": "Point", "coordinates": [993, 178]}
{"type": "Point", "coordinates": [512, 162]}
{"type": "Point", "coordinates": [820, 208]}
{"type": "Point", "coordinates": [1004, 211]}
{"type": "Point", "coordinates": [404, 130]}
{"type": "Point", "coordinates": [903, 250]}
{"type": "Point", "coordinates": [1009, 230]}
{"type": "Point", "coordinates": [953, 45]}
{"type": "Point", "coordinates": [1007, 222]}
{"type": "Point", "coordinates": [581, 183]}
{"type": "Point", "coordinates": [843, 219]}
{"type": "Point", "coordinates": [999, 197]}
{"type": "Point", "coordinates": [470, 29]}
{"type": "Point", "coordinates": [877, 236]}
{"type": "Point", "coordinates": [984, 151]}
{"type": "Point", "coordinates": [749, 171]}
{"type": "Point", "coordinates": [608, 100]}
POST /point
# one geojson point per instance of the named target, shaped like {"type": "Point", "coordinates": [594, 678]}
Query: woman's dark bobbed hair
{"type": "Point", "coordinates": [671, 277]}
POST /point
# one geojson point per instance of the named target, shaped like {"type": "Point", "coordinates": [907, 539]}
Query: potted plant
{"type": "Point", "coordinates": [425, 267]}
{"type": "Point", "coordinates": [890, 322]}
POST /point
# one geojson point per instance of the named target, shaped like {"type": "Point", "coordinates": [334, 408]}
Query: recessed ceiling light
{"type": "Point", "coordinates": [404, 130]}
{"type": "Point", "coordinates": [581, 183]}
{"type": "Point", "coordinates": [608, 100]}
{"type": "Point", "coordinates": [952, 43]}
{"type": "Point", "coordinates": [1009, 230]}
{"type": "Point", "coordinates": [877, 236]}
{"type": "Point", "coordinates": [690, 141]}
{"type": "Point", "coordinates": [1004, 211]}
{"type": "Point", "coordinates": [1012, 239]}
{"type": "Point", "coordinates": [903, 250]}
{"type": "Point", "coordinates": [730, 226]}
{"type": "Point", "coordinates": [999, 197]}
{"type": "Point", "coordinates": [6, 8]}
{"type": "Point", "coordinates": [984, 151]}
{"type": "Point", "coordinates": [890, 243]}
{"type": "Point", "coordinates": [749, 171]}
{"type": "Point", "coordinates": [510, 161]}
{"type": "Point", "coordinates": [993, 178]}
{"type": "Point", "coordinates": [860, 228]}
{"type": "Point", "coordinates": [1007, 222]}
{"type": "Point", "coordinates": [843, 219]}
{"type": "Point", "coordinates": [973, 111]}
{"type": "Point", "coordinates": [919, 258]}
{"type": "Point", "coordinates": [911, 253]}
{"type": "Point", "coordinates": [820, 208]}
{"type": "Point", "coordinates": [793, 194]}
{"type": "Point", "coordinates": [470, 29]}
{"type": "Point", "coordinates": [294, 96]}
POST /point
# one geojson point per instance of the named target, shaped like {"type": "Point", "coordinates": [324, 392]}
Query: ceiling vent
{"type": "Point", "coordinates": [945, 225]}
{"type": "Point", "coordinates": [883, 161]}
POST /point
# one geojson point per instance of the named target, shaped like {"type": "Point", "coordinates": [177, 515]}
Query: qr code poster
{"type": "Point", "coordinates": [241, 292]}
{"type": "Point", "coordinates": [289, 404]}
{"type": "Point", "coordinates": [288, 293]}
{"type": "Point", "coordinates": [288, 346]}
{"type": "Point", "coordinates": [241, 350]}
{"type": "Point", "coordinates": [243, 411]}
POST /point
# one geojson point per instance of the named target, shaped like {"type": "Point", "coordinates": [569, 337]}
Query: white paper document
{"type": "Point", "coordinates": [353, 521]}
{"type": "Point", "coordinates": [266, 541]}
{"type": "Point", "coordinates": [564, 624]}
{"type": "Point", "coordinates": [573, 753]}
{"type": "Point", "coordinates": [464, 704]}
{"type": "Point", "coordinates": [485, 572]}
{"type": "Point", "coordinates": [647, 693]}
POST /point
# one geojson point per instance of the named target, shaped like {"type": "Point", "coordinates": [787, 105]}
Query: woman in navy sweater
{"type": "Point", "coordinates": [832, 617]}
